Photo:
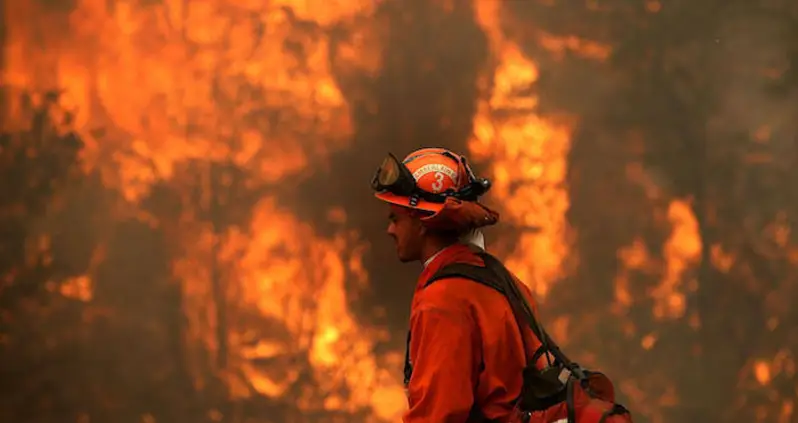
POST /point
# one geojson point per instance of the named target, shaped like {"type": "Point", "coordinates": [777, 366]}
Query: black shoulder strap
{"type": "Point", "coordinates": [490, 276]}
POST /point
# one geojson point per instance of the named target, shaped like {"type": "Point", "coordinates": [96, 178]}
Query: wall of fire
{"type": "Point", "coordinates": [189, 234]}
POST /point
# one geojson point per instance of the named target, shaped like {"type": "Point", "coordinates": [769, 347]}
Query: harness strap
{"type": "Point", "coordinates": [569, 402]}
{"type": "Point", "coordinates": [496, 276]}
{"type": "Point", "coordinates": [487, 276]}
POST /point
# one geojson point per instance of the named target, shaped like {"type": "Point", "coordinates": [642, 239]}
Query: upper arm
{"type": "Point", "coordinates": [445, 354]}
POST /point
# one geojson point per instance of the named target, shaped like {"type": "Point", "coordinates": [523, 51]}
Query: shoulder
{"type": "Point", "coordinates": [455, 294]}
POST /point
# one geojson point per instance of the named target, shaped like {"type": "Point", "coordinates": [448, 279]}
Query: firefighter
{"type": "Point", "coordinates": [465, 353]}
{"type": "Point", "coordinates": [471, 356]}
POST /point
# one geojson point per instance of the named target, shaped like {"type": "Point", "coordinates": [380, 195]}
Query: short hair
{"type": "Point", "coordinates": [447, 235]}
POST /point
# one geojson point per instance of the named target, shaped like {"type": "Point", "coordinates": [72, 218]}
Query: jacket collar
{"type": "Point", "coordinates": [454, 253]}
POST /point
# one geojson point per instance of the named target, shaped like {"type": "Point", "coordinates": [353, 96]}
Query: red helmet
{"type": "Point", "coordinates": [425, 178]}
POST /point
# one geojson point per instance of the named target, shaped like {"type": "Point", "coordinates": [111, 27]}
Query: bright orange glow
{"type": "Point", "coordinates": [528, 156]}
{"type": "Point", "coordinates": [682, 251]}
{"type": "Point", "coordinates": [155, 86]}
{"type": "Point", "coordinates": [762, 372]}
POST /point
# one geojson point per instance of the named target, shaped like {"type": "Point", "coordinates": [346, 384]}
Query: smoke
{"type": "Point", "coordinates": [753, 122]}
{"type": "Point", "coordinates": [749, 57]}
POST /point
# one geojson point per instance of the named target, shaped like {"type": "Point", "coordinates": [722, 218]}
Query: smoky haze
{"type": "Point", "coordinates": [189, 234]}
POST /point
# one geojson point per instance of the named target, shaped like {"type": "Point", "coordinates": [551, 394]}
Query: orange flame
{"type": "Point", "coordinates": [293, 282]}
{"type": "Point", "coordinates": [634, 257]}
{"type": "Point", "coordinates": [682, 253]}
{"type": "Point", "coordinates": [212, 81]}
{"type": "Point", "coordinates": [764, 375]}
{"type": "Point", "coordinates": [762, 372]}
{"type": "Point", "coordinates": [156, 85]}
{"type": "Point", "coordinates": [528, 155]}
{"type": "Point", "coordinates": [560, 45]}
{"type": "Point", "coordinates": [682, 250]}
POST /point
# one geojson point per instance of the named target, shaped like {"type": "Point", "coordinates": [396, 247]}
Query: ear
{"type": "Point", "coordinates": [422, 230]}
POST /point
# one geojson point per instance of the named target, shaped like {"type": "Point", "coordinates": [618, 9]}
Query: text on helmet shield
{"type": "Point", "coordinates": [438, 169]}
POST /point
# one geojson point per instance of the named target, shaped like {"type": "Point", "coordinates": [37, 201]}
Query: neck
{"type": "Point", "coordinates": [431, 248]}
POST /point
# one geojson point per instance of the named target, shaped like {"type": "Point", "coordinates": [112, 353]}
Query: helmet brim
{"type": "Point", "coordinates": [403, 201]}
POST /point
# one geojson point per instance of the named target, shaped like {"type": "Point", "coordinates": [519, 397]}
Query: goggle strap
{"type": "Point", "coordinates": [469, 172]}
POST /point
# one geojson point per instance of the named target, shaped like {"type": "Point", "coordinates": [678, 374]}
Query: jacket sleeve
{"type": "Point", "coordinates": [444, 352]}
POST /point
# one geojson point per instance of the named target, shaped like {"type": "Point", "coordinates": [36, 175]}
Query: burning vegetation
{"type": "Point", "coordinates": [188, 234]}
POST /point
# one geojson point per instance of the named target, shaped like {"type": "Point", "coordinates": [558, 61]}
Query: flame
{"type": "Point", "coordinates": [528, 155]}
{"type": "Point", "coordinates": [765, 370]}
{"type": "Point", "coordinates": [213, 80]}
{"type": "Point", "coordinates": [288, 299]}
{"type": "Point", "coordinates": [648, 341]}
{"type": "Point", "coordinates": [762, 372]}
{"type": "Point", "coordinates": [80, 288]}
{"type": "Point", "coordinates": [765, 378]}
{"type": "Point", "coordinates": [721, 259]}
{"type": "Point", "coordinates": [682, 250]}
{"type": "Point", "coordinates": [559, 46]}
{"type": "Point", "coordinates": [681, 253]}
{"type": "Point", "coordinates": [155, 85]}
{"type": "Point", "coordinates": [634, 257]}
{"type": "Point", "coordinates": [293, 282]}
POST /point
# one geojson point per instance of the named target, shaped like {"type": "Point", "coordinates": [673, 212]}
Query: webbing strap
{"type": "Point", "coordinates": [496, 276]}
{"type": "Point", "coordinates": [516, 296]}
{"type": "Point", "coordinates": [487, 276]}
{"type": "Point", "coordinates": [493, 275]}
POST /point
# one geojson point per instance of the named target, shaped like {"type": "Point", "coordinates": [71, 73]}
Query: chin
{"type": "Point", "coordinates": [403, 256]}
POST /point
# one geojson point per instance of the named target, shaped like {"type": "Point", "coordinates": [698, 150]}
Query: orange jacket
{"type": "Point", "coordinates": [465, 347]}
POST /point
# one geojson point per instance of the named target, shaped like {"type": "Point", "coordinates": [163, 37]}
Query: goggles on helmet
{"type": "Point", "coordinates": [394, 177]}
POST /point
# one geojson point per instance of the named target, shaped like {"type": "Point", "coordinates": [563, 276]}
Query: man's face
{"type": "Point", "coordinates": [407, 232]}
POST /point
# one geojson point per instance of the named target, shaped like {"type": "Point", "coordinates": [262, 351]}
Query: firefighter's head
{"type": "Point", "coordinates": [432, 195]}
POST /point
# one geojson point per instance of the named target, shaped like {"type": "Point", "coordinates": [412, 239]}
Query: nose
{"type": "Point", "coordinates": [391, 229]}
